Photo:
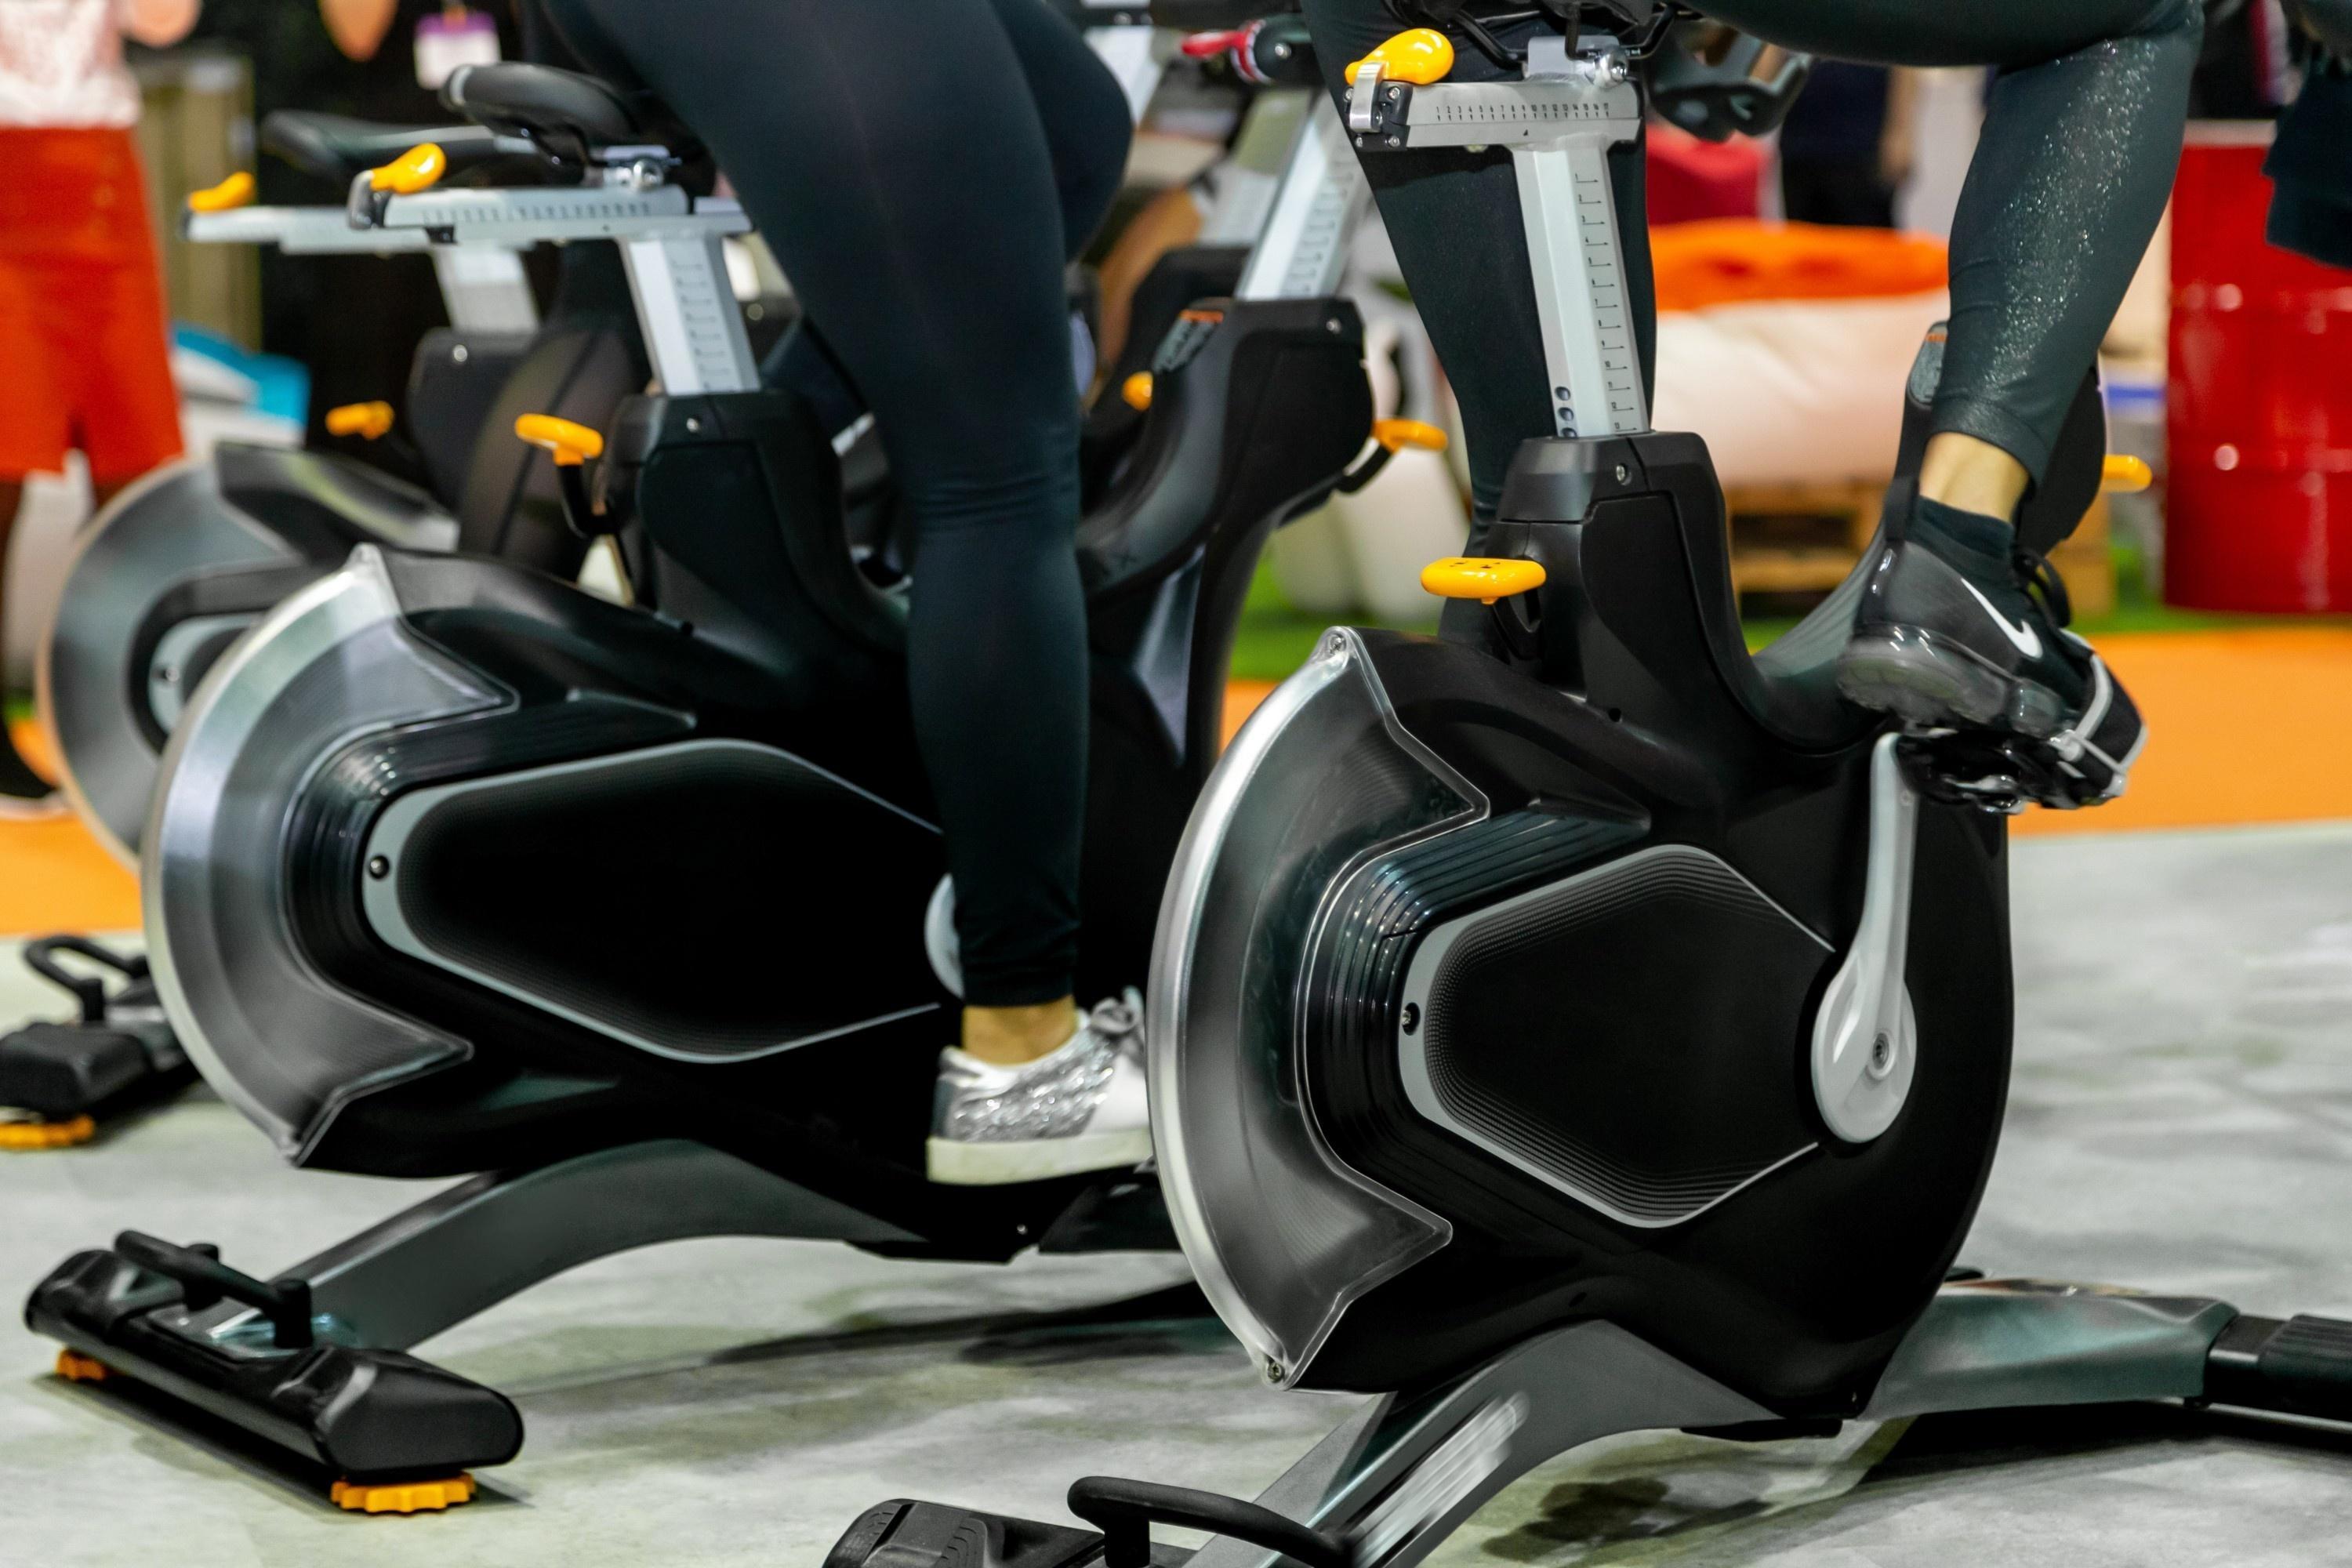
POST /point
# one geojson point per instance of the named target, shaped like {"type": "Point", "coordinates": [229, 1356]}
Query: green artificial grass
{"type": "Point", "coordinates": [1275, 639]}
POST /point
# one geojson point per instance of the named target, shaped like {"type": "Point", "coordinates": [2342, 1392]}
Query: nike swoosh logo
{"type": "Point", "coordinates": [2027, 641]}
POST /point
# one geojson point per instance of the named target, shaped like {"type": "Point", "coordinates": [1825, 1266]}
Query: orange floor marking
{"type": "Point", "coordinates": [2243, 727]}
{"type": "Point", "coordinates": [53, 875]}
{"type": "Point", "coordinates": [2246, 726]}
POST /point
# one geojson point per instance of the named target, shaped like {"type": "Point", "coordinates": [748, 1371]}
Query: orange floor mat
{"type": "Point", "coordinates": [2249, 726]}
{"type": "Point", "coordinates": [2243, 727]}
{"type": "Point", "coordinates": [53, 875]}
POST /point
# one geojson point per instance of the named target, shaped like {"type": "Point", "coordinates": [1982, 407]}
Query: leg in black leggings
{"type": "Point", "coordinates": [899, 156]}
{"type": "Point", "coordinates": [1086, 123]}
{"type": "Point", "coordinates": [2076, 159]}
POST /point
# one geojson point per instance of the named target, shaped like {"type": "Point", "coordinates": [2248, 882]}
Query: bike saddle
{"type": "Point", "coordinates": [313, 495]}
{"type": "Point", "coordinates": [336, 147]}
{"type": "Point", "coordinates": [560, 112]}
{"type": "Point", "coordinates": [1717, 91]}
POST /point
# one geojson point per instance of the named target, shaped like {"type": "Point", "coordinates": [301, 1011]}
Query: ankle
{"type": "Point", "coordinates": [1015, 1037]}
{"type": "Point", "coordinates": [1972, 476]}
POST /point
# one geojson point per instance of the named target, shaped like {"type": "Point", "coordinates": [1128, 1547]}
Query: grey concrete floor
{"type": "Point", "coordinates": [2182, 1120]}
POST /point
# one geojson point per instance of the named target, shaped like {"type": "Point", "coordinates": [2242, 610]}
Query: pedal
{"type": "Point", "coordinates": [1981, 771]}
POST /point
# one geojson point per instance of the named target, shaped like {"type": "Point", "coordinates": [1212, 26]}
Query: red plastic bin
{"type": "Point", "coordinates": [2258, 486]}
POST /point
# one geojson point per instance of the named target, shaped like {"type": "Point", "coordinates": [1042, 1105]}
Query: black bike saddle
{"type": "Point", "coordinates": [337, 148]}
{"type": "Point", "coordinates": [562, 112]}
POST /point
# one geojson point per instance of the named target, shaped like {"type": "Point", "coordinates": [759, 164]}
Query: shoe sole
{"type": "Point", "coordinates": [961, 1164]}
{"type": "Point", "coordinates": [1931, 684]}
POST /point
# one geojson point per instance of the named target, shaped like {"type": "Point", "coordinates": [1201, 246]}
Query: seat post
{"type": "Point", "coordinates": [1311, 226]}
{"type": "Point", "coordinates": [694, 332]}
{"type": "Point", "coordinates": [1560, 124]}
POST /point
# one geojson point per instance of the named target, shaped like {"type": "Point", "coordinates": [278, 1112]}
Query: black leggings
{"type": "Point", "coordinates": [2081, 136]}
{"type": "Point", "coordinates": [922, 169]}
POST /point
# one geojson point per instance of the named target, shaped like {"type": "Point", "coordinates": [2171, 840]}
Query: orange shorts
{"type": "Point", "coordinates": [84, 360]}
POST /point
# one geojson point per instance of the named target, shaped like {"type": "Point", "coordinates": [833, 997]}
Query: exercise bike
{"type": "Point", "coordinates": [542, 868]}
{"type": "Point", "coordinates": [1535, 1038]}
{"type": "Point", "coordinates": [188, 559]}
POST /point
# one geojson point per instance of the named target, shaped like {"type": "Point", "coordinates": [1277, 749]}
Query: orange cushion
{"type": "Point", "coordinates": [1728, 261]}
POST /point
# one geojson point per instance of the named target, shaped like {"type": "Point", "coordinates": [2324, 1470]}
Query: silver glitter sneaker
{"type": "Point", "coordinates": [1081, 1108]}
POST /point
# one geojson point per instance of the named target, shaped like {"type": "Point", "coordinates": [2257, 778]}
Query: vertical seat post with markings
{"type": "Point", "coordinates": [1559, 123]}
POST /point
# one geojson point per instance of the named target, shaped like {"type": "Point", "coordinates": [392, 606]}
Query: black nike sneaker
{"type": "Point", "coordinates": [23, 794]}
{"type": "Point", "coordinates": [1961, 636]}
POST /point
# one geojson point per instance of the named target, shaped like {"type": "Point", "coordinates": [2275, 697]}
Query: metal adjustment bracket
{"type": "Point", "coordinates": [672, 244]}
{"type": "Point", "coordinates": [1558, 124]}
{"type": "Point", "coordinates": [1865, 1037]}
{"type": "Point", "coordinates": [1311, 220]}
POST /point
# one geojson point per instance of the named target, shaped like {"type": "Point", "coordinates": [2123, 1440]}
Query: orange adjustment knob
{"type": "Point", "coordinates": [2126, 475]}
{"type": "Point", "coordinates": [75, 1367]}
{"type": "Point", "coordinates": [1418, 55]}
{"type": "Point", "coordinates": [234, 192]}
{"type": "Point", "coordinates": [418, 169]}
{"type": "Point", "coordinates": [1482, 578]}
{"type": "Point", "coordinates": [1396, 435]}
{"type": "Point", "coordinates": [572, 444]}
{"type": "Point", "coordinates": [368, 421]}
{"type": "Point", "coordinates": [1136, 390]}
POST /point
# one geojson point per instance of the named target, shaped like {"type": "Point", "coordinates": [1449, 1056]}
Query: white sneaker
{"type": "Point", "coordinates": [1081, 1108]}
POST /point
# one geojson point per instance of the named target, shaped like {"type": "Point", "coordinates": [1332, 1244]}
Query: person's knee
{"type": "Point", "coordinates": [1017, 499]}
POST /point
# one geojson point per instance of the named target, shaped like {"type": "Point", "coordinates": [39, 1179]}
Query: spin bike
{"type": "Point", "coordinates": [189, 559]}
{"type": "Point", "coordinates": [1550, 982]}
{"type": "Point", "coordinates": [408, 758]}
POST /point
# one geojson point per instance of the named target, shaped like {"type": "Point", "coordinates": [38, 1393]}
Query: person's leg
{"type": "Point", "coordinates": [1087, 131]}
{"type": "Point", "coordinates": [37, 293]}
{"type": "Point", "coordinates": [2082, 131]}
{"type": "Point", "coordinates": [1958, 630]}
{"type": "Point", "coordinates": [1082, 110]}
{"type": "Point", "coordinates": [893, 155]}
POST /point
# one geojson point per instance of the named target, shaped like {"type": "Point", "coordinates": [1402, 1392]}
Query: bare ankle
{"type": "Point", "coordinates": [1015, 1037]}
{"type": "Point", "coordinates": [1970, 475]}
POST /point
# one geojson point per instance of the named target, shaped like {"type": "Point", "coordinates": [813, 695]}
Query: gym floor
{"type": "Point", "coordinates": [2182, 1120]}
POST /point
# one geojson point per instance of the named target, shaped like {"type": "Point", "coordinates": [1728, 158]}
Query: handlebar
{"type": "Point", "coordinates": [1273, 52]}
